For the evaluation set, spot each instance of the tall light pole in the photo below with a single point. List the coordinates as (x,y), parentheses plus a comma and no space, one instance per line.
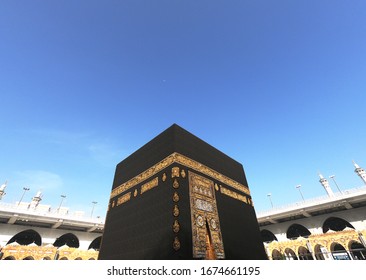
(25,190)
(62,199)
(2,190)
(269,196)
(332,177)
(299,188)
(94,202)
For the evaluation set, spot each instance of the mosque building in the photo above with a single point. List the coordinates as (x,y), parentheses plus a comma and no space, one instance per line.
(332,227)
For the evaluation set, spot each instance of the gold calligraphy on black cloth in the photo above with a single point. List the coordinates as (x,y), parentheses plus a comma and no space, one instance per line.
(206,232)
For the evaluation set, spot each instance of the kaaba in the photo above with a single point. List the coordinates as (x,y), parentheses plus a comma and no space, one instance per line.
(178,197)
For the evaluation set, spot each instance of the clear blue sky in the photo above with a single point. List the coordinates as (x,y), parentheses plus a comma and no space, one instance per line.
(280,86)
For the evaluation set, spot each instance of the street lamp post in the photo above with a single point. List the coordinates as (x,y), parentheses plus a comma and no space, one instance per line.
(332,177)
(299,188)
(25,190)
(62,199)
(94,202)
(2,190)
(269,196)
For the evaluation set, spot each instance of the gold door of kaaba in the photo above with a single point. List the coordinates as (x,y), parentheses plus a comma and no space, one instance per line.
(206,232)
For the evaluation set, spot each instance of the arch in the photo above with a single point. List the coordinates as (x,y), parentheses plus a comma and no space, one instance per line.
(304,253)
(68,239)
(46,258)
(336,224)
(296,230)
(95,244)
(91,259)
(339,252)
(276,255)
(9,258)
(357,250)
(28,258)
(78,259)
(268,236)
(321,252)
(290,254)
(26,237)
(63,259)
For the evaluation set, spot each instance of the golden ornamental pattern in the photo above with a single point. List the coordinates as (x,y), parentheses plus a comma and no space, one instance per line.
(314,241)
(180,159)
(21,252)
(233,194)
(202,188)
(176,244)
(149,185)
(175,197)
(175,184)
(211,173)
(183,173)
(124,198)
(176,211)
(204,217)
(175,172)
(176,226)
(143,176)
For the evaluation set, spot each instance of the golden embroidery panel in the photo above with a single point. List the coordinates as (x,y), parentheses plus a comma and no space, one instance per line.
(234,195)
(178,158)
(124,198)
(203,186)
(175,172)
(204,217)
(149,185)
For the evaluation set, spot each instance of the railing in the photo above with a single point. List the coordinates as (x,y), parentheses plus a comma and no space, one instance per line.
(313,201)
(47,211)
